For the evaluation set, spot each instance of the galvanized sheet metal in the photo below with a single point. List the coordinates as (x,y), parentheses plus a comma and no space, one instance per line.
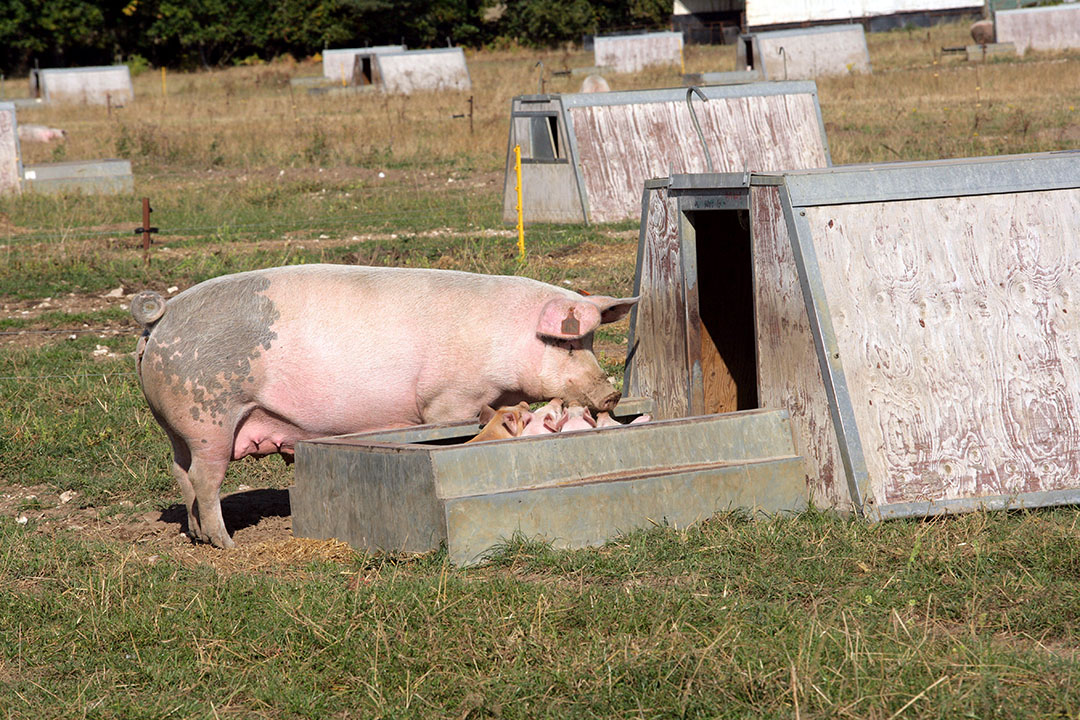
(97,177)
(416,488)
(1056,27)
(929,179)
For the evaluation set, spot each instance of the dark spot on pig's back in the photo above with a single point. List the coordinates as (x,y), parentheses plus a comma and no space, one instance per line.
(207,342)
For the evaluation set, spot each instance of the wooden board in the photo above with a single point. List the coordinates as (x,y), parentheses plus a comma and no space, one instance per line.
(631,53)
(789,374)
(620,146)
(958,330)
(106,85)
(414,70)
(9,150)
(657,362)
(1055,27)
(795,55)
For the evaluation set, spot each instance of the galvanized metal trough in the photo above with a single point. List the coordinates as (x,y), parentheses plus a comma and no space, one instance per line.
(417,489)
(919,322)
(89,177)
(585,156)
(804,53)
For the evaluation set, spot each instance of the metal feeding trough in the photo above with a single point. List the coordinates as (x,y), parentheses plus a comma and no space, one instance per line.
(90,177)
(584,156)
(416,489)
(918,321)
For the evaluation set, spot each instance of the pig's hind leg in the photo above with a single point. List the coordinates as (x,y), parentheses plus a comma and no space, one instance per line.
(200,478)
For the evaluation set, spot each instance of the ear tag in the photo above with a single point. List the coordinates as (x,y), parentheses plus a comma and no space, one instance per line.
(571,326)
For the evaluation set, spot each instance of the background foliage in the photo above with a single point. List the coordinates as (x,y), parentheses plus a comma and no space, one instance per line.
(192,33)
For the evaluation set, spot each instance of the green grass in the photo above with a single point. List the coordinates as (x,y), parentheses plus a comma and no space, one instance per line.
(967,617)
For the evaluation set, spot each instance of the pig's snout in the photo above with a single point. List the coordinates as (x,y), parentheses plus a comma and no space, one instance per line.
(605,403)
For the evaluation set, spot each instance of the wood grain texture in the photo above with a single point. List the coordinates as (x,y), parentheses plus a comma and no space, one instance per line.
(959,336)
(9,151)
(620,146)
(1045,28)
(88,86)
(631,53)
(815,54)
(657,362)
(789,375)
(413,70)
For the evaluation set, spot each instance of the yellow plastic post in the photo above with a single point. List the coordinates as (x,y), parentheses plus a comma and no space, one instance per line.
(520,207)
(162,81)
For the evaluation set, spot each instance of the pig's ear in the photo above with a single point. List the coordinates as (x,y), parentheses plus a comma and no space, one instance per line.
(487,413)
(554,424)
(568,319)
(612,309)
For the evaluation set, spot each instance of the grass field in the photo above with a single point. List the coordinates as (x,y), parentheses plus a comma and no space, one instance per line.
(108,612)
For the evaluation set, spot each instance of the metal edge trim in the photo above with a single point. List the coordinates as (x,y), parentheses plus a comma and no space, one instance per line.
(575,158)
(713,92)
(628,368)
(949,506)
(825,345)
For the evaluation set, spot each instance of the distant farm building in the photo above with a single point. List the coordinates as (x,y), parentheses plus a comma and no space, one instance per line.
(715,21)
(104,85)
(586,156)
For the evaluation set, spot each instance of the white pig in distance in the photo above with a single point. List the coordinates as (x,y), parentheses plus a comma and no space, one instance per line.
(251,363)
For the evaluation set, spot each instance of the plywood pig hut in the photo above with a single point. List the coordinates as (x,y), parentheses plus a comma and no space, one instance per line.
(585,156)
(354,66)
(804,53)
(631,53)
(1055,27)
(919,322)
(412,70)
(104,85)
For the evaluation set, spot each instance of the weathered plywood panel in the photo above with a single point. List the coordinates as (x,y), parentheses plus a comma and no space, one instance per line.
(414,70)
(657,365)
(338,63)
(807,54)
(620,146)
(789,374)
(631,53)
(9,150)
(1045,28)
(89,85)
(958,330)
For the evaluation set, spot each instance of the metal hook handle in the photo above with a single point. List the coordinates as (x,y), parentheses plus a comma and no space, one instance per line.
(540,80)
(783,54)
(693,116)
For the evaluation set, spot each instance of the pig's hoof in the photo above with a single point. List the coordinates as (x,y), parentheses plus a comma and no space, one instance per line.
(147,307)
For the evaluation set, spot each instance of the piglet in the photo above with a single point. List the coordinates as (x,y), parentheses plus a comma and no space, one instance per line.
(546,419)
(506,422)
(40,133)
(578,417)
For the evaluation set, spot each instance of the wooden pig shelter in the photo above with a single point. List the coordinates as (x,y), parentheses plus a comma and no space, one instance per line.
(919,322)
(585,156)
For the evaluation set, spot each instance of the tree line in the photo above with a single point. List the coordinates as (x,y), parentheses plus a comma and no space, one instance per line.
(206,33)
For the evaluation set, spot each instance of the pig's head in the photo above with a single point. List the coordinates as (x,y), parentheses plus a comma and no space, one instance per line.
(568,368)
